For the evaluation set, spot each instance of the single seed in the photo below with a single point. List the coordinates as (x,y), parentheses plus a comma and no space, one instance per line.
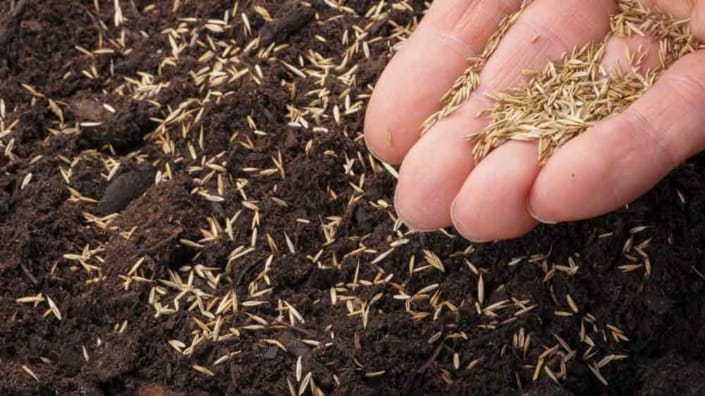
(29,371)
(203,370)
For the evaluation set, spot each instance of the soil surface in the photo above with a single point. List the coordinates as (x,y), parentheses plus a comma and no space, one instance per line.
(187,207)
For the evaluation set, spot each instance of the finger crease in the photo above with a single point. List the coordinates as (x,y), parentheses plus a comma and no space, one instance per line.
(639,125)
(460,47)
(687,86)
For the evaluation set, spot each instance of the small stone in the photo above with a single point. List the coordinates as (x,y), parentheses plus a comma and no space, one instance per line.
(125,188)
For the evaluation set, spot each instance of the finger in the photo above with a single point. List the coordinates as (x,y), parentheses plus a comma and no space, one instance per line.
(694,10)
(436,167)
(491,205)
(412,85)
(677,8)
(621,158)
(493,201)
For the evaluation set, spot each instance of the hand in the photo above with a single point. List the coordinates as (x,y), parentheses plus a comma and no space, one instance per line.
(505,194)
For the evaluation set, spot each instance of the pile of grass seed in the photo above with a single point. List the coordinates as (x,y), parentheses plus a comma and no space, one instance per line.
(569,96)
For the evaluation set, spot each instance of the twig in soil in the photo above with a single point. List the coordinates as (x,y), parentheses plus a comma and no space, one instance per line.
(432,359)
(309,334)
(289,326)
(29,274)
(490,336)
(698,273)
(313,335)
(470,344)
(151,249)
(245,272)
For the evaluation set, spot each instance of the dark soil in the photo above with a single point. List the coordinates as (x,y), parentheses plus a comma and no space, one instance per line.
(214,146)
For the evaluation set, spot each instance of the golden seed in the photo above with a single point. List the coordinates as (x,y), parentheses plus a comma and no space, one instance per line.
(203,370)
(29,371)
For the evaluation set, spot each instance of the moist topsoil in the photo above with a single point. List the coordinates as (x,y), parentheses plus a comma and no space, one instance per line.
(255,249)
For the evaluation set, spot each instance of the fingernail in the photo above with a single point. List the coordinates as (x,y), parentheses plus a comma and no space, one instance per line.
(403,218)
(460,230)
(369,148)
(537,218)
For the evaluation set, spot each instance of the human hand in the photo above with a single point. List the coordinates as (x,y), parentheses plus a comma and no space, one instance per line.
(502,197)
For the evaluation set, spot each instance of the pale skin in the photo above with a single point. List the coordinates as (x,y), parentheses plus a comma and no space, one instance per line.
(508,193)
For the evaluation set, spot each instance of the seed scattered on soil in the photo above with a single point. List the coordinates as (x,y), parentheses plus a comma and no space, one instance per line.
(30,372)
(203,370)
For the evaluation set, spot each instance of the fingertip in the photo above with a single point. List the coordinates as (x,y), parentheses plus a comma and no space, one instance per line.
(380,130)
(426,187)
(460,226)
(553,191)
(408,211)
(409,91)
(475,225)
(379,138)
(537,216)
(378,150)
(492,203)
